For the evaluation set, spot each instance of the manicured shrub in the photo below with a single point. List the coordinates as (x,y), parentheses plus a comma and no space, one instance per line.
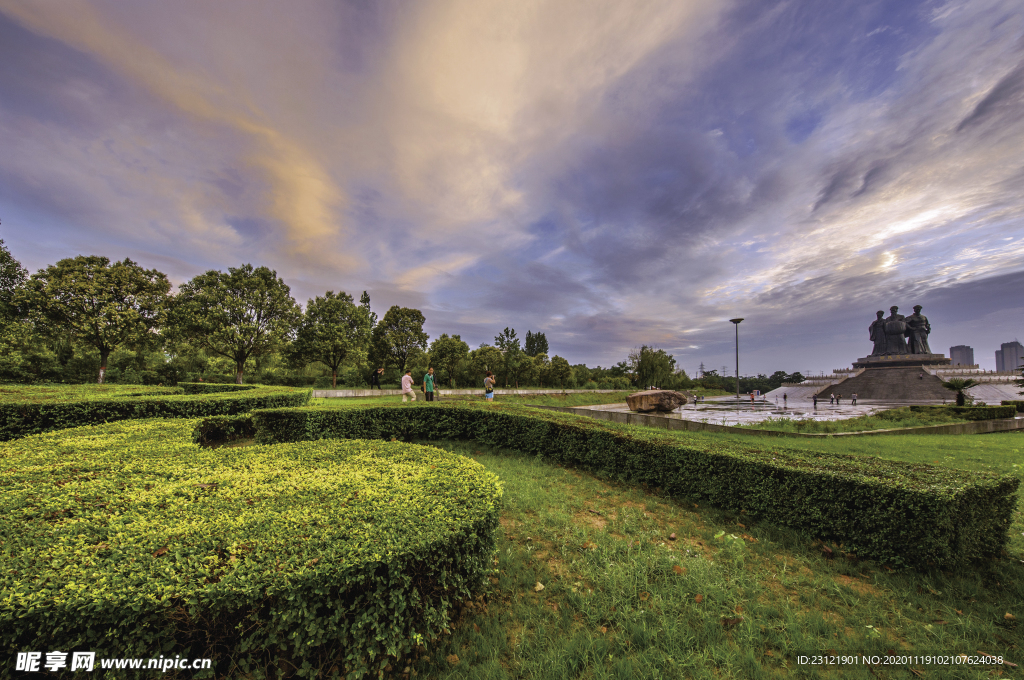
(54,410)
(898,513)
(333,557)
(1016,403)
(970,412)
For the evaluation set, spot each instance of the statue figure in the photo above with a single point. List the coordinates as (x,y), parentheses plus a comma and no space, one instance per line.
(895,330)
(917,332)
(876,333)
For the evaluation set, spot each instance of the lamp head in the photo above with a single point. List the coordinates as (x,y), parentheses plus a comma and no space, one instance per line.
(736,321)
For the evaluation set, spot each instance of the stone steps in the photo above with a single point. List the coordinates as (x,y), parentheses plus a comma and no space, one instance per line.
(908,383)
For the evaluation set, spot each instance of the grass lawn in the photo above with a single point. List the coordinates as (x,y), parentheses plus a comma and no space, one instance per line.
(728,598)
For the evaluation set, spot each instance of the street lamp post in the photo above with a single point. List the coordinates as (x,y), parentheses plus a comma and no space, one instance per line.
(736,322)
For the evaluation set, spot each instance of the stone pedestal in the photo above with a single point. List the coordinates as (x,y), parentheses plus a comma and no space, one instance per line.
(648,401)
(901,360)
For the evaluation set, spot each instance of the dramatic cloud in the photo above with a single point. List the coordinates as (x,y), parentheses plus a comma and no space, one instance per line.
(611,174)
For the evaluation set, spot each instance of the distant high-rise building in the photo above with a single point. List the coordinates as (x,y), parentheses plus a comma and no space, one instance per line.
(1009,356)
(962,355)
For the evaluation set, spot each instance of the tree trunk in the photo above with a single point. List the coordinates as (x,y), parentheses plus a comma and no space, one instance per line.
(334,379)
(103,364)
(240,369)
(961,400)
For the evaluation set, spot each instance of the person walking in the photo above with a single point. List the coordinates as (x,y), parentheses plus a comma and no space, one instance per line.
(839,398)
(489,386)
(428,384)
(407,387)
(815,400)
(375,378)
(832,398)
(854,398)
(785,400)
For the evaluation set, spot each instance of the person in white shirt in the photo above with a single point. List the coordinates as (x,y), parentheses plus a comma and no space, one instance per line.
(407,387)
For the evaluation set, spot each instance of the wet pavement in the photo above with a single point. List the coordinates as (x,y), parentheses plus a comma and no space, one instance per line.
(729,412)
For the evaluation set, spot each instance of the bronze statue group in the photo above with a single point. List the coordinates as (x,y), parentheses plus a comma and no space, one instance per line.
(898,334)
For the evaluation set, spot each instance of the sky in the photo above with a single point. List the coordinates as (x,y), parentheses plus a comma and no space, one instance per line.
(611,174)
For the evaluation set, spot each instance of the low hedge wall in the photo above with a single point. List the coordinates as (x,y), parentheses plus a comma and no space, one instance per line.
(25,417)
(899,513)
(333,557)
(972,412)
(1016,403)
(213,388)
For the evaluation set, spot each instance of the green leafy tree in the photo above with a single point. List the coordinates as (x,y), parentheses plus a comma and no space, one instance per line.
(513,357)
(650,366)
(559,370)
(243,314)
(960,386)
(102,305)
(535,343)
(446,353)
(12,280)
(540,369)
(486,358)
(332,330)
(393,338)
(364,302)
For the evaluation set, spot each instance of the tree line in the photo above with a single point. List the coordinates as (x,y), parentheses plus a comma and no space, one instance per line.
(87,313)
(86,318)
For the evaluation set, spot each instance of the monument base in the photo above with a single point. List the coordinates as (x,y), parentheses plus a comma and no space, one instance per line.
(892,383)
(898,360)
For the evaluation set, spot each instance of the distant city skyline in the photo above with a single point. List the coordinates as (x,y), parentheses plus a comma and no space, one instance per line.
(611,174)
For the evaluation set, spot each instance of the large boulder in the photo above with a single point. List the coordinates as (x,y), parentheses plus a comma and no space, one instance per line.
(656,400)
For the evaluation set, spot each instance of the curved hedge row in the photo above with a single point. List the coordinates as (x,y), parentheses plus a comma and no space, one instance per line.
(971,413)
(334,556)
(899,513)
(21,417)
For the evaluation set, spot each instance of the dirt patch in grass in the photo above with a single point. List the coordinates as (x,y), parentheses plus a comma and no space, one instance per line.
(591,518)
(858,586)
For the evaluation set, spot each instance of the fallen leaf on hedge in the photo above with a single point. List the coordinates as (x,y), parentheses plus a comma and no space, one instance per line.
(1008,616)
(679,570)
(769,653)
(453,659)
(741,525)
(644,596)
(749,539)
(539,587)
(732,621)
(672,537)
(959,612)
(699,599)
(604,629)
(160,552)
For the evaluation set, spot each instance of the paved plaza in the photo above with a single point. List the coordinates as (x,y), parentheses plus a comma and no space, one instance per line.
(726,411)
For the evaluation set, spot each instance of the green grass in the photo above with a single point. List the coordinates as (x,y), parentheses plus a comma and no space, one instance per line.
(890,419)
(620,599)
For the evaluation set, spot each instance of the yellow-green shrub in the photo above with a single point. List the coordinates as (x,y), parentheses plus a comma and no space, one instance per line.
(335,556)
(48,410)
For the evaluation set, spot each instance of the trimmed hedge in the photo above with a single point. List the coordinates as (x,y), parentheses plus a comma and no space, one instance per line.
(334,557)
(1016,403)
(213,388)
(21,418)
(972,412)
(898,513)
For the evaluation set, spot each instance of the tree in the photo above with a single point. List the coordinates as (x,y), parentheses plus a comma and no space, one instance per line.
(12,279)
(486,358)
(960,386)
(332,329)
(99,304)
(398,332)
(512,355)
(244,314)
(535,343)
(446,353)
(364,302)
(559,370)
(651,366)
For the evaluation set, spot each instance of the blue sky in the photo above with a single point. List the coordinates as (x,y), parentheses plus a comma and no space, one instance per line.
(610,173)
